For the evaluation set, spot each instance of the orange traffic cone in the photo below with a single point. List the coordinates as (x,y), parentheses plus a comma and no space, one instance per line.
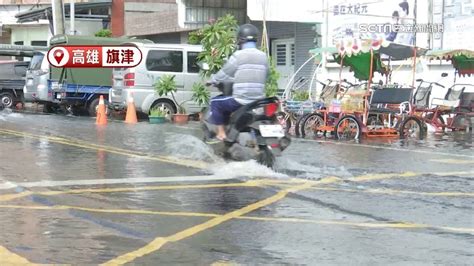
(131,117)
(101,118)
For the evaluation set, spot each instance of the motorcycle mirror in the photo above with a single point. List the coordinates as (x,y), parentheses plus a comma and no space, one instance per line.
(444,74)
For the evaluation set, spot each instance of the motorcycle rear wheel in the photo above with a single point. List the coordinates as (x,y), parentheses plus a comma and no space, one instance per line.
(266,156)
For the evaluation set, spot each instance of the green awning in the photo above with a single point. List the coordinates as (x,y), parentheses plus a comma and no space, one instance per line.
(462,60)
(360,64)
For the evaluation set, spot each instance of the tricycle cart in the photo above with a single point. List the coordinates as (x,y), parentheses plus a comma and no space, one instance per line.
(455,110)
(370,111)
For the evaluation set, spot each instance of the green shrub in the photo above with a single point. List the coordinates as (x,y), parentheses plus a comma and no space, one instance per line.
(166,85)
(104,33)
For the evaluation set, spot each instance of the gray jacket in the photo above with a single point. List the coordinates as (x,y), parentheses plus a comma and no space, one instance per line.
(248,70)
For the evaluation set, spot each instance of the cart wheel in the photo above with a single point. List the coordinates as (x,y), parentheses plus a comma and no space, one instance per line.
(299,123)
(462,123)
(439,120)
(310,123)
(412,128)
(374,120)
(348,128)
(284,120)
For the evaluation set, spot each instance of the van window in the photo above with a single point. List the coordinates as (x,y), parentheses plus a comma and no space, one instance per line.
(39,43)
(161,60)
(36,61)
(193,67)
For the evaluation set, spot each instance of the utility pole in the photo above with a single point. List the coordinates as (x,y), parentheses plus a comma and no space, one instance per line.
(72,17)
(58,16)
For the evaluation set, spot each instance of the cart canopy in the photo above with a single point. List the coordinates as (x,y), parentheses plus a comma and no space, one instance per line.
(462,60)
(355,54)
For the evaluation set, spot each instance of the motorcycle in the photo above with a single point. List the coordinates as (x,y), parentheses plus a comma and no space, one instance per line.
(253,131)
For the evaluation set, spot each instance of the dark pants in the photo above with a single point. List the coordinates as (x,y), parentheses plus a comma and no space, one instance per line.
(221,109)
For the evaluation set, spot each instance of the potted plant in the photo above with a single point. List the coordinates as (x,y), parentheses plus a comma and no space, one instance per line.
(157,115)
(166,85)
(201,95)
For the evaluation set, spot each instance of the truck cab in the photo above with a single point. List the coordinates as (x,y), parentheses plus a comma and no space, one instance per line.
(37,75)
(12,81)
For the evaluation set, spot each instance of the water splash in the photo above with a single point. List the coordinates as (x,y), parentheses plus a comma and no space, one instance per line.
(244,169)
(307,171)
(189,147)
(8,113)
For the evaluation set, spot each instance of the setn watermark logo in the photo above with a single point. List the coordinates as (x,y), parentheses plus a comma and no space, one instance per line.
(94,56)
(409,28)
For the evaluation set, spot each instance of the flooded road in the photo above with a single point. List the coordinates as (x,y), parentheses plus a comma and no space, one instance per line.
(75,193)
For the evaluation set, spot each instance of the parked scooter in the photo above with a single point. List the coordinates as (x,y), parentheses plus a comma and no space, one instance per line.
(253,131)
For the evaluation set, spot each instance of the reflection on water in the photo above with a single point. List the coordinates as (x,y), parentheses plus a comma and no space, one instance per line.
(304,158)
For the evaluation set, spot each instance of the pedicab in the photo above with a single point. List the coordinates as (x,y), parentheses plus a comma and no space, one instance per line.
(295,108)
(458,103)
(370,110)
(297,99)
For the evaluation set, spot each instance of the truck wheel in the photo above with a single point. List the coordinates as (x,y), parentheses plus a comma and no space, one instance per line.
(51,108)
(6,99)
(94,105)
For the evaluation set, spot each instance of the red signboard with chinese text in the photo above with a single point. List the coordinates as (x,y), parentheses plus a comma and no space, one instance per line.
(94,56)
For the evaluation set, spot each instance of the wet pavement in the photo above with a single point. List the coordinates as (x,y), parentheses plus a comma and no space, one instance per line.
(75,193)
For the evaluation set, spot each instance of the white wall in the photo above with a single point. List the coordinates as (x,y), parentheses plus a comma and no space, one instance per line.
(41,32)
(29,33)
(285,10)
(84,27)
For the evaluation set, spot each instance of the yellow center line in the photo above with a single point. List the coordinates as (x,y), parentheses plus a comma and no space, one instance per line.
(9,258)
(373,177)
(114,150)
(222,263)
(251,183)
(112,211)
(158,242)
(8,197)
(394,192)
(399,225)
(453,161)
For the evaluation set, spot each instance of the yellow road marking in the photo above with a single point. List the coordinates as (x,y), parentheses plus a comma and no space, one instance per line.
(222,263)
(158,242)
(400,225)
(394,192)
(453,161)
(373,177)
(113,211)
(453,173)
(251,183)
(8,197)
(114,150)
(9,258)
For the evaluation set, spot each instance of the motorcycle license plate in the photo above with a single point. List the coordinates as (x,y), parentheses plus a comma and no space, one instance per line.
(271,131)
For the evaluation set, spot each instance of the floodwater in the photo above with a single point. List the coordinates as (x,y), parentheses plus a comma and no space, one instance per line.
(73,192)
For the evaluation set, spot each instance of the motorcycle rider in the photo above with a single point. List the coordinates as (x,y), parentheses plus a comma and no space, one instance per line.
(247,68)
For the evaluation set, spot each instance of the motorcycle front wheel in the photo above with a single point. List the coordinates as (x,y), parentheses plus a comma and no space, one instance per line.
(266,156)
